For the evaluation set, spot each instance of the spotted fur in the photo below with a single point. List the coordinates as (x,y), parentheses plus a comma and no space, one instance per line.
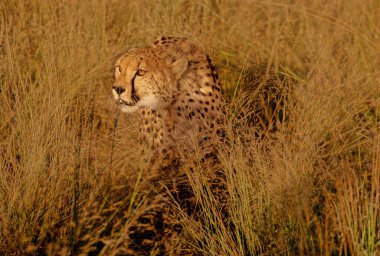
(175,87)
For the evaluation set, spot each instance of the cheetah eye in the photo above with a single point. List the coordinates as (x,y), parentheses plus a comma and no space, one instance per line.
(140,72)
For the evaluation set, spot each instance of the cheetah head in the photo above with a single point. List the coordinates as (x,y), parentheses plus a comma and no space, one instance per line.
(143,80)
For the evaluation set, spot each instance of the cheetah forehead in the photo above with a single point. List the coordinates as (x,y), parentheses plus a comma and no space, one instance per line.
(140,57)
(164,49)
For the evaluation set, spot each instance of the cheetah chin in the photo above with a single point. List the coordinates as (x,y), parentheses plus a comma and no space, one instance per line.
(127,107)
(149,102)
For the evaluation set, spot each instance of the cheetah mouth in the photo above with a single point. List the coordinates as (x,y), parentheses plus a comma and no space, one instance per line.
(125,103)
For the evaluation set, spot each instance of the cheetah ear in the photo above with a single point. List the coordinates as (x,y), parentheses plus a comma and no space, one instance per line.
(179,67)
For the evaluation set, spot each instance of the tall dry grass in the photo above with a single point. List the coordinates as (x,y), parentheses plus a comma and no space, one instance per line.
(302,162)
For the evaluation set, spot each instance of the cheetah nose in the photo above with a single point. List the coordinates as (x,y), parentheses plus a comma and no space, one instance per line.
(119,90)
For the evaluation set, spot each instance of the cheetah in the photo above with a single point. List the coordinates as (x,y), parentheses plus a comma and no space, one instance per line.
(173,85)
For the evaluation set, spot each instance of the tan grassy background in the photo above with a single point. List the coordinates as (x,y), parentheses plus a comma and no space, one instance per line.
(303,160)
